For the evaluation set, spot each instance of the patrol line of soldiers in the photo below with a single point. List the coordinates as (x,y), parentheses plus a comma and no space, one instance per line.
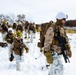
(53,43)
(29,29)
(14,37)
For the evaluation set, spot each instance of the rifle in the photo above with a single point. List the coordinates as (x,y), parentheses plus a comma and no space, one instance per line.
(21,47)
(39,56)
(62,41)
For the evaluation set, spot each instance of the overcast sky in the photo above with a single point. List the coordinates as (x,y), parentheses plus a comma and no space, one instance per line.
(39,10)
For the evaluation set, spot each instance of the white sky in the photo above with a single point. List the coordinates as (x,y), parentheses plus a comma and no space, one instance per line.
(39,10)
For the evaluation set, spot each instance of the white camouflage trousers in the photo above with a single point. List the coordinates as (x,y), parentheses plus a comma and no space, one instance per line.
(26,33)
(3,36)
(56,68)
(18,59)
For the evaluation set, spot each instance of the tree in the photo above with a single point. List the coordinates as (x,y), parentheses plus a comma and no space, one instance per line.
(21,17)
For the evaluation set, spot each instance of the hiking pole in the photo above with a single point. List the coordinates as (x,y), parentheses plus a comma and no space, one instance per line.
(39,56)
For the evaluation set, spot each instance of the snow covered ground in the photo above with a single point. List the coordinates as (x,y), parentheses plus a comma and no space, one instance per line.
(33,66)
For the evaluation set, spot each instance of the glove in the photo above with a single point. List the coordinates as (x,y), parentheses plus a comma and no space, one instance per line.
(41,50)
(69,53)
(11,58)
(48,56)
(26,51)
(67,46)
(39,44)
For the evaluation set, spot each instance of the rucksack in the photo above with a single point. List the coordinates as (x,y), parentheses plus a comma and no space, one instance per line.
(44,28)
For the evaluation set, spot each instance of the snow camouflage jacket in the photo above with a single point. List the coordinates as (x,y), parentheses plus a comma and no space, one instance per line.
(51,43)
(16,47)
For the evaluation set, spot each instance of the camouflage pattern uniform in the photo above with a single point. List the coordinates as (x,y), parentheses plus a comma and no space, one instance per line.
(9,38)
(4,30)
(52,49)
(14,26)
(32,31)
(26,29)
(15,50)
(0,34)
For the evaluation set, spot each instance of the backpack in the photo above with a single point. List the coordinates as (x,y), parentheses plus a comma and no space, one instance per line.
(44,28)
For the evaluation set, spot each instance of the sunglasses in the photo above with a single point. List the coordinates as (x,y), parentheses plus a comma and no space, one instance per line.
(63,19)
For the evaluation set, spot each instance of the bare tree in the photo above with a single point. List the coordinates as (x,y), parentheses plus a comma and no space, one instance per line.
(21,17)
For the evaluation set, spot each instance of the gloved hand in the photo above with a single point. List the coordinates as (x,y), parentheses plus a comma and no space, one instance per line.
(67,46)
(27,50)
(68,50)
(11,57)
(69,53)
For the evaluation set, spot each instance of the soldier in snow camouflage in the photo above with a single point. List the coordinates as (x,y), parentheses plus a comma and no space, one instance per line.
(52,47)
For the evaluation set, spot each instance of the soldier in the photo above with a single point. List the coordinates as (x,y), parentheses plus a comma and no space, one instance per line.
(9,36)
(9,39)
(1,34)
(14,26)
(17,52)
(26,29)
(4,29)
(19,27)
(18,34)
(57,44)
(32,31)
